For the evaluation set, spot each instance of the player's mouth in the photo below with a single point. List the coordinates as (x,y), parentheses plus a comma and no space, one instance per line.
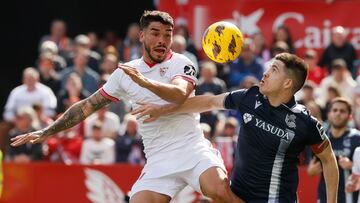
(160,50)
(262,82)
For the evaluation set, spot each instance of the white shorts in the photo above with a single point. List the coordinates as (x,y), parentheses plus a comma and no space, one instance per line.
(173,183)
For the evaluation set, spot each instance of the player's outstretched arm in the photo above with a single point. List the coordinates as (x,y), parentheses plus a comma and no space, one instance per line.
(195,104)
(330,171)
(176,92)
(74,115)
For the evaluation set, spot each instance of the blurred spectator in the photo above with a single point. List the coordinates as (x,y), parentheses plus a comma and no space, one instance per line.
(90,79)
(207,131)
(82,42)
(339,47)
(246,64)
(182,29)
(110,123)
(29,93)
(59,36)
(131,48)
(307,93)
(316,73)
(339,78)
(98,149)
(225,142)
(261,49)
(44,120)
(278,48)
(109,64)
(65,147)
(208,82)
(283,34)
(94,42)
(111,50)
(25,121)
(212,118)
(129,148)
(72,93)
(109,38)
(50,48)
(356,114)
(343,140)
(48,74)
(179,46)
(248,82)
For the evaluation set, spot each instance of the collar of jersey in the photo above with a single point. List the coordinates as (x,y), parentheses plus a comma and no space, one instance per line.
(150,65)
(289,105)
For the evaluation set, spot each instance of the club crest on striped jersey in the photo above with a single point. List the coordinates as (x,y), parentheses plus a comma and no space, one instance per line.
(163,70)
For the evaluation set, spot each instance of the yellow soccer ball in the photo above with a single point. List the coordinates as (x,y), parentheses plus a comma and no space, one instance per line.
(222,42)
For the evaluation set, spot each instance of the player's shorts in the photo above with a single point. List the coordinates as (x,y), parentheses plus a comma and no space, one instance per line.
(173,183)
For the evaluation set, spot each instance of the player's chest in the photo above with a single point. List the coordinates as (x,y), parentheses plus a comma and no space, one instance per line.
(138,93)
(271,126)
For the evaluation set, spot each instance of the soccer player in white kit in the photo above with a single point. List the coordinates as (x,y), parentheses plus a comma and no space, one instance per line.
(177,152)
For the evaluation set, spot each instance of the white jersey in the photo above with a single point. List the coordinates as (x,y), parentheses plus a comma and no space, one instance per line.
(356,165)
(169,137)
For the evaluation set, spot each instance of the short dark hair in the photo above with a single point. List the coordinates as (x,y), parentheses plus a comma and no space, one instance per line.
(157,16)
(295,67)
(341,100)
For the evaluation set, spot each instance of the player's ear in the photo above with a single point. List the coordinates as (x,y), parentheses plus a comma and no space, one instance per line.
(289,83)
(142,36)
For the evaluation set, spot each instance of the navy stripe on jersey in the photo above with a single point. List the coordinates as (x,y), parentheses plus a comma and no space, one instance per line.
(270,140)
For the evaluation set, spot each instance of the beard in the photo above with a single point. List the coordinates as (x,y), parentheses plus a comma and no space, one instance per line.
(148,52)
(339,125)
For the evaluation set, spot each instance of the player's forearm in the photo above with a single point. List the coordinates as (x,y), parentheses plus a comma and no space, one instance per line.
(200,104)
(76,113)
(331,175)
(167,92)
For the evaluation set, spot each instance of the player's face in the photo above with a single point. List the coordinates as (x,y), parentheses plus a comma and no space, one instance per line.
(274,80)
(339,115)
(156,39)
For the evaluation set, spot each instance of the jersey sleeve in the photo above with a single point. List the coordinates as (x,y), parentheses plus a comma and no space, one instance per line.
(185,69)
(316,136)
(113,89)
(234,99)
(356,162)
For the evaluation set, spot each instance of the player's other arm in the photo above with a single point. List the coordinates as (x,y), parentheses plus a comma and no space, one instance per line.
(176,92)
(330,169)
(195,104)
(74,115)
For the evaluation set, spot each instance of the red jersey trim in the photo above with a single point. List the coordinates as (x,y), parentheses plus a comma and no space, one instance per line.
(168,57)
(106,95)
(318,148)
(185,78)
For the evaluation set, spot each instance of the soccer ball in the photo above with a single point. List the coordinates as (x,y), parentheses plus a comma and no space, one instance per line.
(222,42)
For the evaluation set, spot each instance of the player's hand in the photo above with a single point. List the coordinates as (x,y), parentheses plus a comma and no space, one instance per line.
(345,162)
(314,167)
(33,137)
(134,74)
(153,111)
(350,185)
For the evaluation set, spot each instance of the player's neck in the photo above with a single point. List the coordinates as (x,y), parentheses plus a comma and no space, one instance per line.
(277,99)
(338,132)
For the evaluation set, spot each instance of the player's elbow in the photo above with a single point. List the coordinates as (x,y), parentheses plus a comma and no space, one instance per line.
(180,97)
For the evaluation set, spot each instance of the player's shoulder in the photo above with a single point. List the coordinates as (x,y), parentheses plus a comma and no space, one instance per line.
(357,151)
(353,132)
(134,63)
(180,58)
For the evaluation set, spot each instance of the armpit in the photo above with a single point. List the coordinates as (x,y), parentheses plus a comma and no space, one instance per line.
(318,148)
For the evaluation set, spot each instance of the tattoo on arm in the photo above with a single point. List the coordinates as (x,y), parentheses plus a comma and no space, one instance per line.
(76,113)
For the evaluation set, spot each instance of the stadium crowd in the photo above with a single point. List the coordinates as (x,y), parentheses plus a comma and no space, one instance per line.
(68,70)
